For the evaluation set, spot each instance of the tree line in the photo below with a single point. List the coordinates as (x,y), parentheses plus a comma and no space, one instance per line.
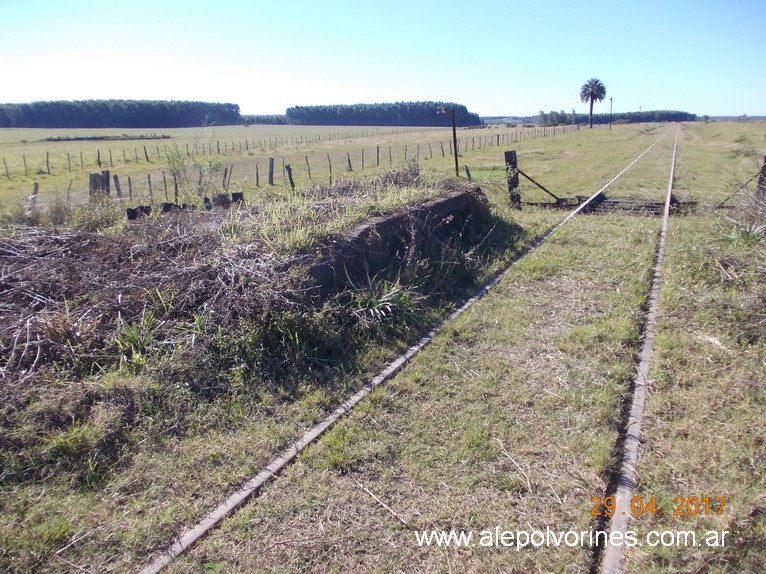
(554,118)
(172,114)
(117,114)
(432,114)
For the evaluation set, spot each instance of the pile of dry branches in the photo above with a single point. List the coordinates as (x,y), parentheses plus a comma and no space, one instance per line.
(67,297)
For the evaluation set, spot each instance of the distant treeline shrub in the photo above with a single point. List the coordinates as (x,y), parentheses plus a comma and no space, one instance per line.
(271,119)
(117,114)
(554,118)
(388,114)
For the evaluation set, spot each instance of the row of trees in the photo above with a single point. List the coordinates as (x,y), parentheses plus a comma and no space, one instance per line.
(268,119)
(117,114)
(388,114)
(554,118)
(169,114)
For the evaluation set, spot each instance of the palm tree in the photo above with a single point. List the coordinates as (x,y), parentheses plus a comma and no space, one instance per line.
(592,90)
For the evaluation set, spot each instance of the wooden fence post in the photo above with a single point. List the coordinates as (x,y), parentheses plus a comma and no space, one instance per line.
(165,184)
(329,161)
(7,175)
(348,157)
(106,184)
(130,189)
(94,185)
(24,159)
(512,173)
(760,189)
(117,186)
(151,193)
(47,163)
(308,166)
(290,176)
(271,171)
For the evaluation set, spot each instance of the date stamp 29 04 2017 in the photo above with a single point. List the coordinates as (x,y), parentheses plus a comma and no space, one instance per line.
(683,506)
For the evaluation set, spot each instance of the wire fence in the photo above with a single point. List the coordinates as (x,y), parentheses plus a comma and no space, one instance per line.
(276,161)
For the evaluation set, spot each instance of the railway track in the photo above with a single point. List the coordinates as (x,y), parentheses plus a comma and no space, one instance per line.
(631,433)
(624,482)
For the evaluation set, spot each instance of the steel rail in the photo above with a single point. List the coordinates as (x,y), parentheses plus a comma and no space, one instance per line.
(286,457)
(627,478)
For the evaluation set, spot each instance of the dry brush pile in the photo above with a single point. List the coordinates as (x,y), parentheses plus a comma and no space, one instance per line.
(103,332)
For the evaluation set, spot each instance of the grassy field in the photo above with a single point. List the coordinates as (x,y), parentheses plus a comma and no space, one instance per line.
(509,419)
(315,149)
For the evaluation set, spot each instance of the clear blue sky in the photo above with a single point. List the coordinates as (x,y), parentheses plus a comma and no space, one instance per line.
(498,57)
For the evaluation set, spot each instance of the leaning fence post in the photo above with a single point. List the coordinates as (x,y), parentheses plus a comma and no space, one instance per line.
(117,186)
(289,171)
